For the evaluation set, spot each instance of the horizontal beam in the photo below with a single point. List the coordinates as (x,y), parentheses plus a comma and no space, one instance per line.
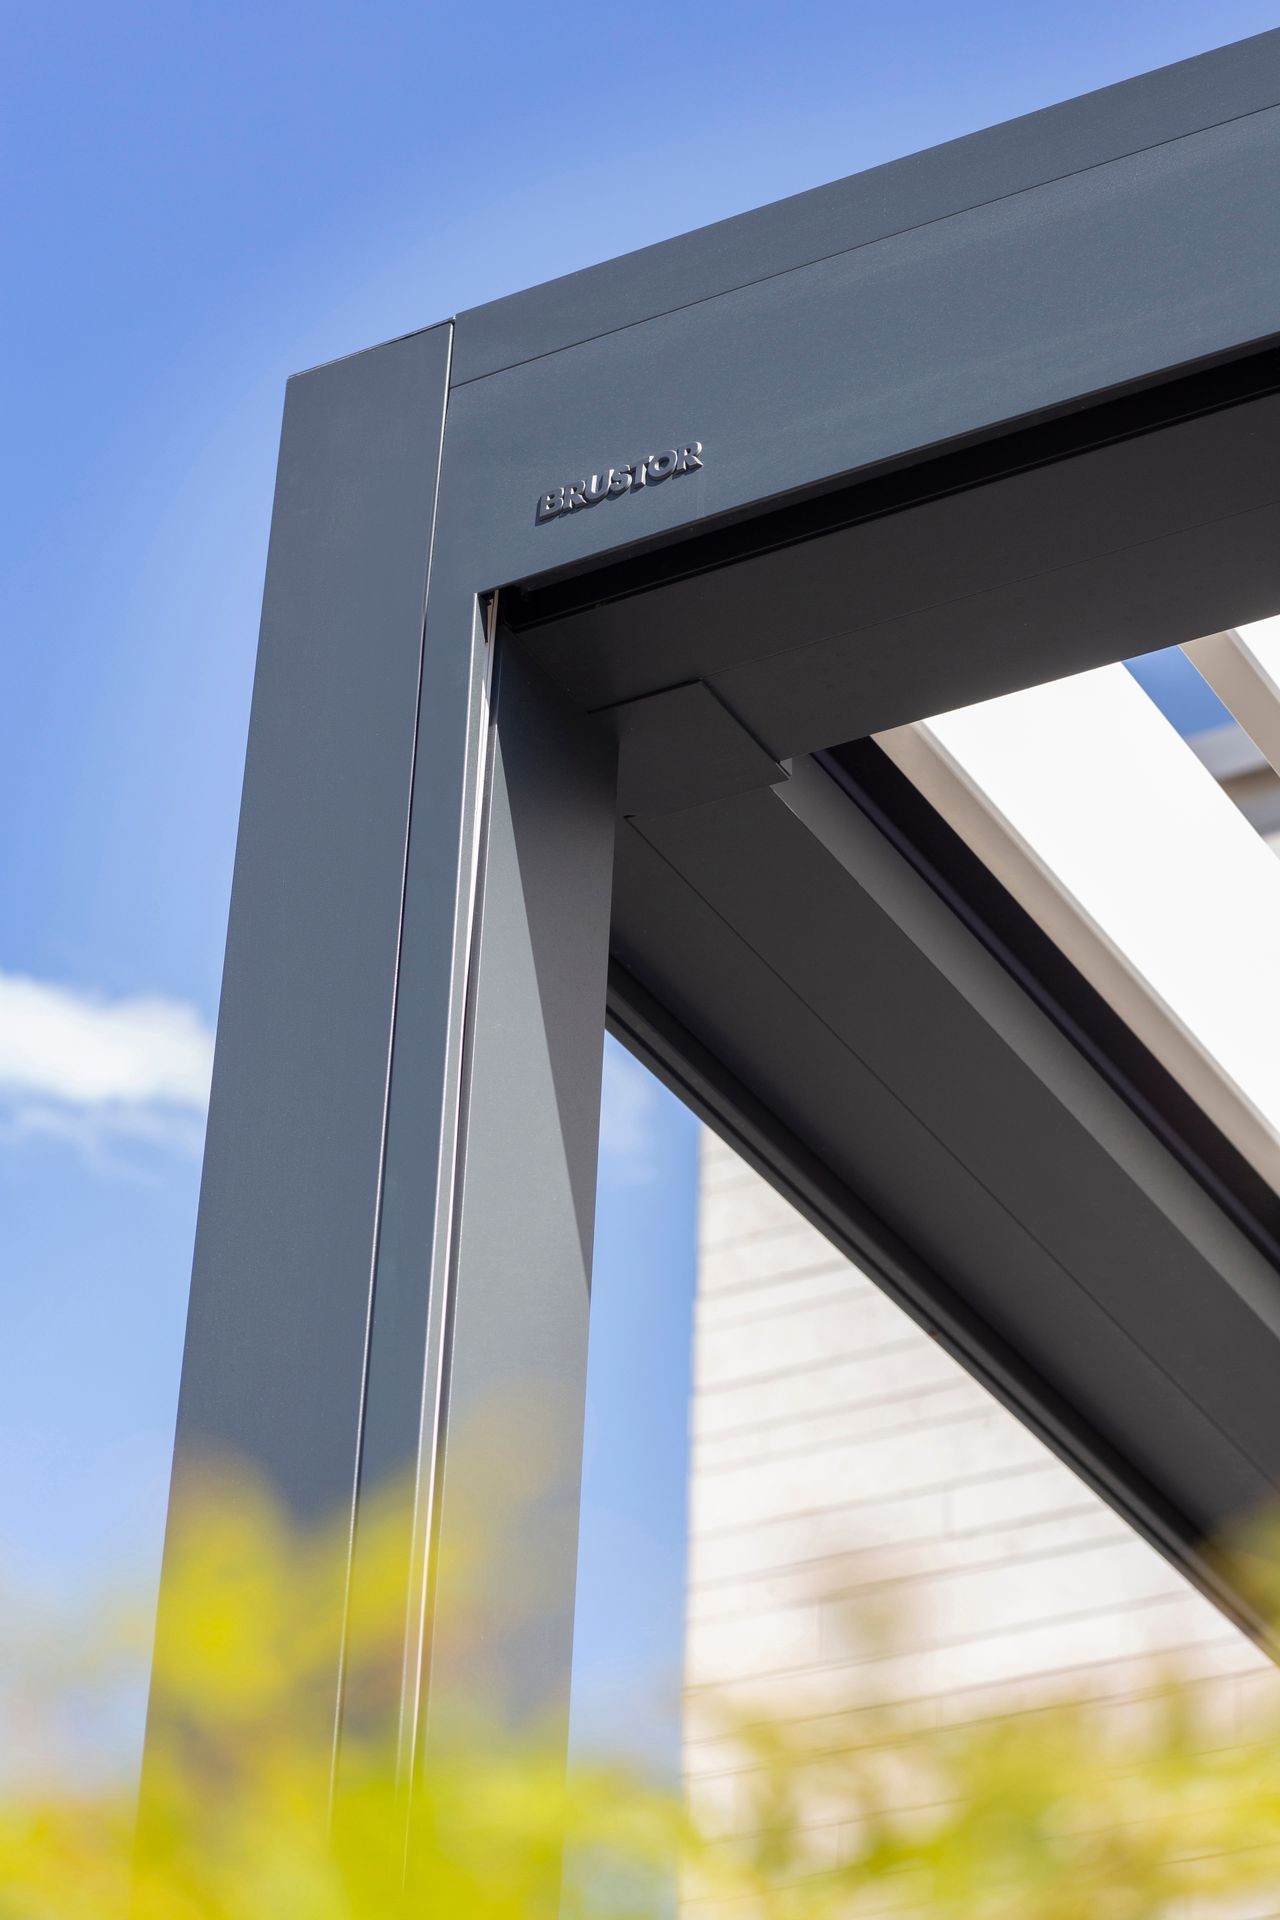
(913,192)
(828,979)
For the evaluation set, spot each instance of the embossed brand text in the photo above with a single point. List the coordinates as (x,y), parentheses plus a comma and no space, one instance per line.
(613,481)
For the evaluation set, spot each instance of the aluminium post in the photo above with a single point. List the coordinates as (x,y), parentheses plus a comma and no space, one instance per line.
(394,1234)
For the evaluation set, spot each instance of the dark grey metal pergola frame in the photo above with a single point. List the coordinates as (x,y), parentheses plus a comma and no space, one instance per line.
(989,415)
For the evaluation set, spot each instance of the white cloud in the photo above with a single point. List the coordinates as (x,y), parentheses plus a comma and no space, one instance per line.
(96,1073)
(630,1117)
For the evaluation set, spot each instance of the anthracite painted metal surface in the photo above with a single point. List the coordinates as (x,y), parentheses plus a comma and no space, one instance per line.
(890,200)
(976,419)
(273,1372)
(291,1172)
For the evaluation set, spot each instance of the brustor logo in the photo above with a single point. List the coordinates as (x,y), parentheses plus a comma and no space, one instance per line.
(618,480)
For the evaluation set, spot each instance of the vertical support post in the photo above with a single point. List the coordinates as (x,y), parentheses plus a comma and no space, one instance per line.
(511,1411)
(477,1384)
(390,1287)
(274,1365)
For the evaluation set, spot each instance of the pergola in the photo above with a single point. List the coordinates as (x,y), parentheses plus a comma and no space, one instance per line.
(581,612)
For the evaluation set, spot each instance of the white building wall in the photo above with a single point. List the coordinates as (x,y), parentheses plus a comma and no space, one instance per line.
(838,1452)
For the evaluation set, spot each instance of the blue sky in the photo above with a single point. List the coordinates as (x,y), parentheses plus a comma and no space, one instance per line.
(197,202)
(629,1630)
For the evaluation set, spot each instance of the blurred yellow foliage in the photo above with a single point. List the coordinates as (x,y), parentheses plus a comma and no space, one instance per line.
(1060,1811)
